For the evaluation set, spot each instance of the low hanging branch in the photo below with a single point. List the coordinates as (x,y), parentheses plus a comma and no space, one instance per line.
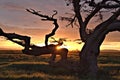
(21,40)
(46,18)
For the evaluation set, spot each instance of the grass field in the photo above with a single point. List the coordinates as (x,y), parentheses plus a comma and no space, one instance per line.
(17,66)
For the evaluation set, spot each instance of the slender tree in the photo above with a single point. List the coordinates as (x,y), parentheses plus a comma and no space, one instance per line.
(93,38)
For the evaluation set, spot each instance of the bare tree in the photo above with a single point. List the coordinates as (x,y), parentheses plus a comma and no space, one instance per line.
(93,38)
(46,18)
(31,49)
(63,51)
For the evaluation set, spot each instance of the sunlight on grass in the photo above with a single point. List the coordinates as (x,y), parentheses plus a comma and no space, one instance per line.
(23,74)
(17,66)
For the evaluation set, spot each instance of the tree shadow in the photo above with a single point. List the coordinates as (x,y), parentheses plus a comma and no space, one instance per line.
(107,72)
(69,68)
(23,78)
(43,68)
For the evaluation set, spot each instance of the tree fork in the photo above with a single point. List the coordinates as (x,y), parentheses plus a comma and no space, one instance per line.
(91,49)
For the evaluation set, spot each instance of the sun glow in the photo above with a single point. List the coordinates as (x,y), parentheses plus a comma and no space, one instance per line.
(59,47)
(69,45)
(110,45)
(9,45)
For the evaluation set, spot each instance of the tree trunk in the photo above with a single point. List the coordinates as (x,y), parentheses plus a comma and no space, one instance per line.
(88,58)
(91,49)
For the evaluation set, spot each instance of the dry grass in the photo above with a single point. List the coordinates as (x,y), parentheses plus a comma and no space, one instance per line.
(16,66)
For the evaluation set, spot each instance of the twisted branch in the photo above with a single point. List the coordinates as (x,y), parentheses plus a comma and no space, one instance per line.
(46,18)
(24,40)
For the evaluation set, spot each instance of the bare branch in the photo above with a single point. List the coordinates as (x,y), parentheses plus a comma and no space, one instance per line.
(41,15)
(96,10)
(48,18)
(25,40)
(72,21)
(103,26)
(54,13)
(82,30)
(52,33)
(77,11)
(115,26)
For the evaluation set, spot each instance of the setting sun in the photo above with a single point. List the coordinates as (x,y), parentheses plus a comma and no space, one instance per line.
(69,45)
(23,23)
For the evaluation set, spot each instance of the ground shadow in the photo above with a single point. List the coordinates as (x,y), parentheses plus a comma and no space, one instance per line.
(105,72)
(44,68)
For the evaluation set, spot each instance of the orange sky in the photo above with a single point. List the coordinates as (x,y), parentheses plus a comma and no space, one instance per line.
(37,37)
(14,18)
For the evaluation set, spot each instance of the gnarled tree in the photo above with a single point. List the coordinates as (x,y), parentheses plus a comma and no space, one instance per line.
(63,51)
(46,18)
(31,49)
(93,38)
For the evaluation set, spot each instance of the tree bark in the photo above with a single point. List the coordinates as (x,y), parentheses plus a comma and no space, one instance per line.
(91,50)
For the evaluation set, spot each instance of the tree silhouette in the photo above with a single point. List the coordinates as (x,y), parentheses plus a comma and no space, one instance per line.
(93,38)
(31,49)
(46,18)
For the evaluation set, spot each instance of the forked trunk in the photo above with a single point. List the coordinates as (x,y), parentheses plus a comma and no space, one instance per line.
(91,49)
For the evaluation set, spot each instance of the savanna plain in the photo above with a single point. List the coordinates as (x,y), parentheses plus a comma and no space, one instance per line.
(17,66)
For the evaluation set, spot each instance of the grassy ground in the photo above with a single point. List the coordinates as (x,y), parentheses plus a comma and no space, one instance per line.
(17,66)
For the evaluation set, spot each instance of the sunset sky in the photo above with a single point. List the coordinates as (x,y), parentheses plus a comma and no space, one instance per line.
(15,19)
